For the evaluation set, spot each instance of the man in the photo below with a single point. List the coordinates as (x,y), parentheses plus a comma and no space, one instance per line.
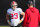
(14,12)
(31,16)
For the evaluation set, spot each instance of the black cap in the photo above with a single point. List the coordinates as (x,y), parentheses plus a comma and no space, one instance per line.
(30,2)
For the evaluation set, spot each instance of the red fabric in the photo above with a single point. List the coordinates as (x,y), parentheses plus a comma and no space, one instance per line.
(25,19)
(31,17)
(39,19)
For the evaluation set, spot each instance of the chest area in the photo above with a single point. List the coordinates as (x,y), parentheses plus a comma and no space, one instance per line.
(14,14)
(14,11)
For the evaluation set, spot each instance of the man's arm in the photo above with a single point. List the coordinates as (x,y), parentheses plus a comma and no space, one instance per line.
(7,18)
(23,14)
(25,19)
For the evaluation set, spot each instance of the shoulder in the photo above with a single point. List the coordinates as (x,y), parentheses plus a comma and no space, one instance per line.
(9,9)
(19,9)
(36,10)
(27,10)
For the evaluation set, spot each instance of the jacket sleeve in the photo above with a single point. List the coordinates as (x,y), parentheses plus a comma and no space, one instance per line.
(39,19)
(25,19)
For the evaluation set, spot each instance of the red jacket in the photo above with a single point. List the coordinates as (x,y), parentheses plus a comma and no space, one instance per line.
(31,17)
(39,19)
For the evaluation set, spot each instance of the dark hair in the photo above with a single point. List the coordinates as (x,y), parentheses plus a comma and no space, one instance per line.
(30,3)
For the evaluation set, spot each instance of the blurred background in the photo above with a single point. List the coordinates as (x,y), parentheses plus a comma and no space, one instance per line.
(5,4)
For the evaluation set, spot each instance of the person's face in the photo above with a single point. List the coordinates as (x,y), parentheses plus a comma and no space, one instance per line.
(14,5)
